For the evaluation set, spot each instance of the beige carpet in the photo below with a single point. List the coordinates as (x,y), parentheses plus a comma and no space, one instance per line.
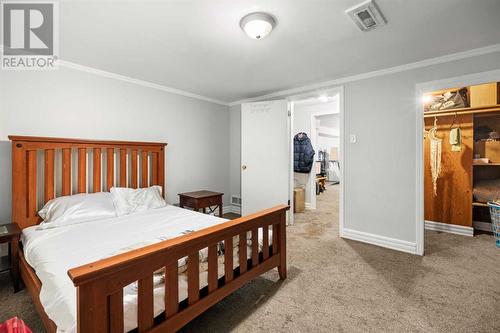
(336,285)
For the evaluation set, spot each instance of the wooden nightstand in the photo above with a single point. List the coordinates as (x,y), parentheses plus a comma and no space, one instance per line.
(11,262)
(202,199)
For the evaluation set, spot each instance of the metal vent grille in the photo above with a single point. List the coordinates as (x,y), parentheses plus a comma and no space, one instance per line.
(235,200)
(366,16)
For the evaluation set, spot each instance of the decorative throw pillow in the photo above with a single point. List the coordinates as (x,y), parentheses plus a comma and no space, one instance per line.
(78,208)
(128,200)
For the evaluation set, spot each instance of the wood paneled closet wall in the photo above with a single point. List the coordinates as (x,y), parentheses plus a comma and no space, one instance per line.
(454,202)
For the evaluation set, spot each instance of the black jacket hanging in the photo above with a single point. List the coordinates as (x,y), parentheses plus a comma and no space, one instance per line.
(303,153)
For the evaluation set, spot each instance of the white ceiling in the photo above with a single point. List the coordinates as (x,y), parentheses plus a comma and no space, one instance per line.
(198,46)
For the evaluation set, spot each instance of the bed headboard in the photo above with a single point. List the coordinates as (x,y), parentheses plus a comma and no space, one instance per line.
(44,168)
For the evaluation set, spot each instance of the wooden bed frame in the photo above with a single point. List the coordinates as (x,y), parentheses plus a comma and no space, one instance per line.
(100,284)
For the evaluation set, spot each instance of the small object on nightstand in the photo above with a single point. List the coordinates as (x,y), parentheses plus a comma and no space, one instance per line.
(11,262)
(3,230)
(202,199)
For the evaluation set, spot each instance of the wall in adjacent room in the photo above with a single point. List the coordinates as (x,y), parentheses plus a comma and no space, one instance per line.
(302,113)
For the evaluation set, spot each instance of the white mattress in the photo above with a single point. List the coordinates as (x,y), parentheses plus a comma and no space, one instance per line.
(53,252)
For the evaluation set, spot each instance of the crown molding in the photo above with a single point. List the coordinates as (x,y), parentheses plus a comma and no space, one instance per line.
(288,92)
(128,79)
(368,75)
(95,71)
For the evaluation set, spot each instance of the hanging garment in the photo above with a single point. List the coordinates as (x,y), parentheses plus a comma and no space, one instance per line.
(456,139)
(303,153)
(435,144)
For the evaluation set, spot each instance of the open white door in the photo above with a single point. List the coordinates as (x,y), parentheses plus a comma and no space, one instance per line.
(265,155)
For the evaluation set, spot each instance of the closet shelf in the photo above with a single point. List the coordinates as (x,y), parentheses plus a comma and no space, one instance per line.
(451,112)
(479,204)
(486,164)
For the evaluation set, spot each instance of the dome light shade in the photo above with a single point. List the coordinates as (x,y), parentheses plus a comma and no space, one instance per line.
(257,25)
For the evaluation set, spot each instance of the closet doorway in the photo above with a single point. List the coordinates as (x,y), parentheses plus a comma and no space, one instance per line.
(459,154)
(316,121)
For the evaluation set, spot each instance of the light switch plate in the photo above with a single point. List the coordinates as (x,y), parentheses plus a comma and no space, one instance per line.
(353,138)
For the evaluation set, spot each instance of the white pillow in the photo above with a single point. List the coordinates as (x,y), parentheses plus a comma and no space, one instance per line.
(78,208)
(129,200)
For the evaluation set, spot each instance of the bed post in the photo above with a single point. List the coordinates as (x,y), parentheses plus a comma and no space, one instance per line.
(282,246)
(19,198)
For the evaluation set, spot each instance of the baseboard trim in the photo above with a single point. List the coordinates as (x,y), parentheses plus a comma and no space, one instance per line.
(449,228)
(483,226)
(387,242)
(231,209)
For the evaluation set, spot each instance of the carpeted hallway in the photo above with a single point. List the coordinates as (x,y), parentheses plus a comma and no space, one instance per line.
(336,285)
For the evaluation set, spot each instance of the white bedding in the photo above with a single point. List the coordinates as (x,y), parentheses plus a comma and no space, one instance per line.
(53,252)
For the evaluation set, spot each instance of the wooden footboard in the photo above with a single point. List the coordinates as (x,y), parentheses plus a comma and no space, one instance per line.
(100,284)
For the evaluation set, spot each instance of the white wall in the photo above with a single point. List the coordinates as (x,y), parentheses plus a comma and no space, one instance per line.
(235,150)
(69,103)
(327,142)
(328,132)
(379,170)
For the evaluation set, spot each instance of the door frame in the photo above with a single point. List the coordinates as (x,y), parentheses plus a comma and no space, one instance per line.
(421,89)
(339,91)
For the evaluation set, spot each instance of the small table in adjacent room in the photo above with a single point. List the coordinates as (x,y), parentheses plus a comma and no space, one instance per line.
(202,199)
(10,233)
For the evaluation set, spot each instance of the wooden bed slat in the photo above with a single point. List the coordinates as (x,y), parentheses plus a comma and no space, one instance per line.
(74,174)
(107,275)
(92,309)
(145,304)
(255,247)
(145,168)
(228,259)
(66,171)
(282,270)
(213,268)
(116,312)
(265,242)
(154,169)
(32,204)
(123,167)
(82,170)
(193,278)
(242,247)
(49,175)
(133,168)
(161,171)
(275,238)
(110,168)
(96,170)
(171,290)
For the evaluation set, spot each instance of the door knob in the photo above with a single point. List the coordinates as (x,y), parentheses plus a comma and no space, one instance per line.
(244,167)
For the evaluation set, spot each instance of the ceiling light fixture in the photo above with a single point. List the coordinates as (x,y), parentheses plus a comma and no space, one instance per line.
(257,25)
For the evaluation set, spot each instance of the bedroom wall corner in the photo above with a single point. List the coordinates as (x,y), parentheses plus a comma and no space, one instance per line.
(235,154)
(75,104)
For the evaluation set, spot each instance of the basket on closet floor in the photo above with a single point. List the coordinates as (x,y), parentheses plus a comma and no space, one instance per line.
(495,220)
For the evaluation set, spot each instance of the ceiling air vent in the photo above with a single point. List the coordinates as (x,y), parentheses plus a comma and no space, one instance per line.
(366,15)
